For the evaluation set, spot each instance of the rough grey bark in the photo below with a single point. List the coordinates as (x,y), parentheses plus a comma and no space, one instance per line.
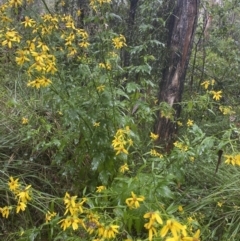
(181,28)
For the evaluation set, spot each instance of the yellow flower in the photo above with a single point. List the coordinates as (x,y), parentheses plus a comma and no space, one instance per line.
(5,211)
(21,58)
(180,208)
(110,231)
(230,160)
(21,206)
(154,217)
(65,223)
(10,36)
(105,66)
(154,136)
(153,152)
(205,84)
(219,204)
(194,238)
(192,158)
(133,202)
(84,44)
(13,184)
(49,216)
(121,140)
(217,95)
(28,22)
(100,88)
(96,124)
(70,203)
(179,123)
(15,3)
(124,168)
(189,122)
(101,188)
(24,196)
(119,42)
(173,226)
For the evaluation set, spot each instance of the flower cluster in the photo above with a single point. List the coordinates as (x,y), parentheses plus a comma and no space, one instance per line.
(180,146)
(43,38)
(177,230)
(226,110)
(122,141)
(21,194)
(74,208)
(155,153)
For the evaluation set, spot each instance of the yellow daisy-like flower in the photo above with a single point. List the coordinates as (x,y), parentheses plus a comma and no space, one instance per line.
(5,211)
(153,136)
(119,42)
(13,184)
(217,95)
(100,88)
(24,121)
(175,228)
(124,168)
(133,202)
(205,84)
(230,159)
(96,124)
(101,188)
(189,122)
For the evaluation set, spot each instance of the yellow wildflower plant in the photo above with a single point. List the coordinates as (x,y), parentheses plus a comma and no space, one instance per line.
(121,141)
(133,202)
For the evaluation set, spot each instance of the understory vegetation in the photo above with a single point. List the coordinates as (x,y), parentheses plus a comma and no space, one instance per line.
(78,94)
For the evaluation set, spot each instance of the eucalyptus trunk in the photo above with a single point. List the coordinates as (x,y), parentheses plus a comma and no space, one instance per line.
(181,27)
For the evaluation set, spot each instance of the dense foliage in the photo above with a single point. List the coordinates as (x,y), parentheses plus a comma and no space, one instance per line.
(78,154)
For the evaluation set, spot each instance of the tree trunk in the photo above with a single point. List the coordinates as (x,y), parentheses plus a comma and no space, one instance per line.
(181,27)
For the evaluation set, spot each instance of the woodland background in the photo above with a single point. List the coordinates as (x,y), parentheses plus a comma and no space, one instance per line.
(119,120)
